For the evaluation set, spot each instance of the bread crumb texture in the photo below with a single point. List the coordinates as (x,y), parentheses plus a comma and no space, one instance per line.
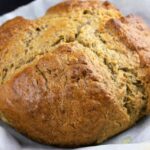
(76,76)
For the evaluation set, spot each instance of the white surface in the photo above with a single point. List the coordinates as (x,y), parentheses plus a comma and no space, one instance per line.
(136,138)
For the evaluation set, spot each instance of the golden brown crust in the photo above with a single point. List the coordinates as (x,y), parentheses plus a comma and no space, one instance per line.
(74,5)
(74,79)
(66,111)
(13,29)
(135,34)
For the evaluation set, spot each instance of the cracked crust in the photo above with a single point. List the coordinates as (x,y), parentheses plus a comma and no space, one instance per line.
(135,34)
(66,111)
(77,77)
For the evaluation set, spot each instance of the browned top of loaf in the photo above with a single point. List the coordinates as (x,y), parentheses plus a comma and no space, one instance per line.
(76,76)
(75,5)
(135,34)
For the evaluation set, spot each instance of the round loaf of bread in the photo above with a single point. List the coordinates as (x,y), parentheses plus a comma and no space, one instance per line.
(76,76)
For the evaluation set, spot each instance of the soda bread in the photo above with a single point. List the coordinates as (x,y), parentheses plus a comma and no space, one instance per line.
(76,76)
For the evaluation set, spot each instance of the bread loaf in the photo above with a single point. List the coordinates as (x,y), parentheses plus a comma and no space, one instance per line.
(76,76)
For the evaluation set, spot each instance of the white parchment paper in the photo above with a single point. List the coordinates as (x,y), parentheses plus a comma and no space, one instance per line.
(136,138)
